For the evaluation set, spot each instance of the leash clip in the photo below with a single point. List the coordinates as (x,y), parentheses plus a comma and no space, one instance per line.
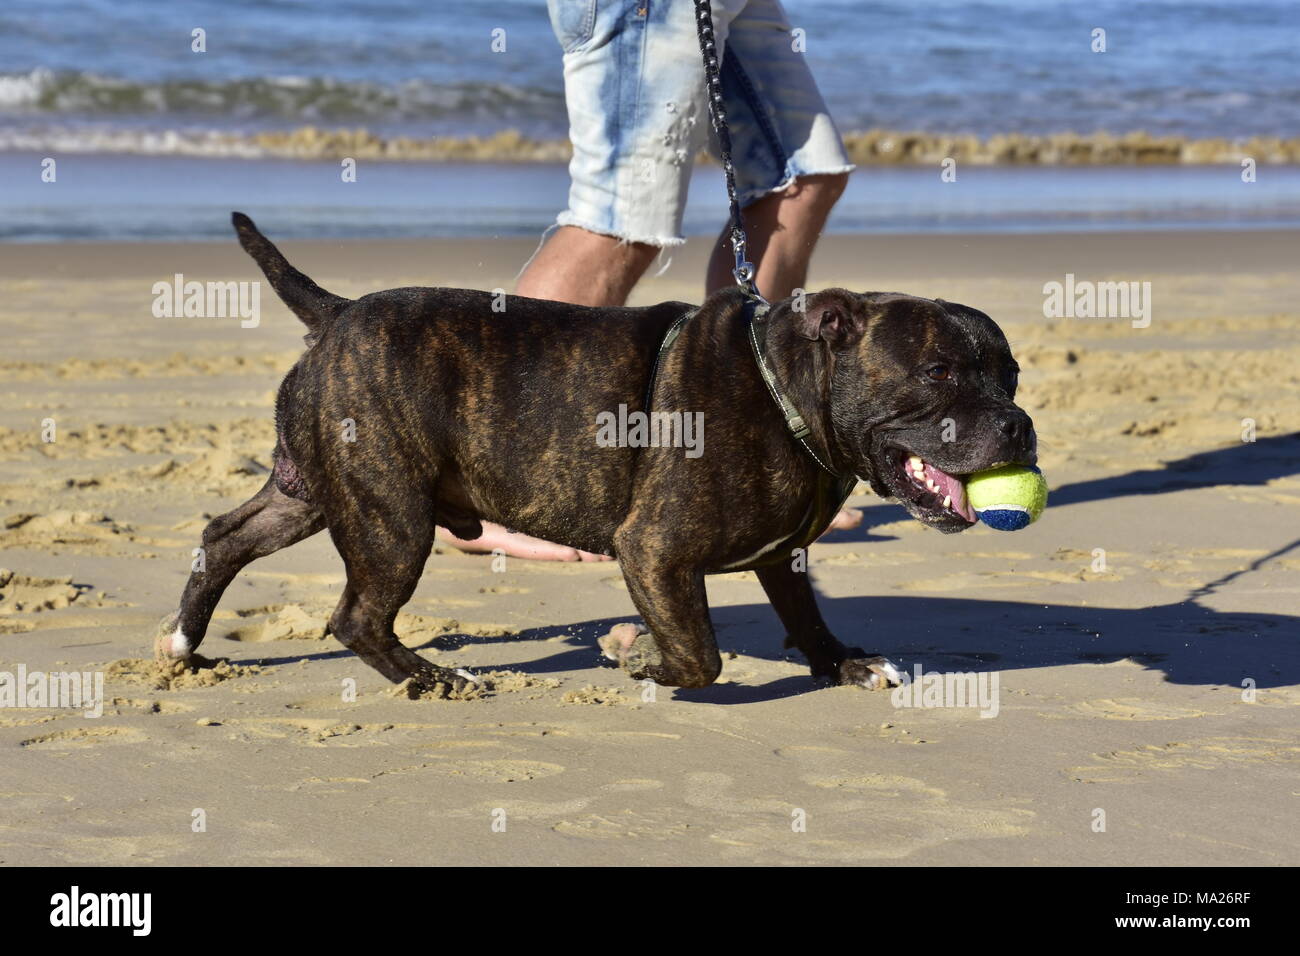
(744,271)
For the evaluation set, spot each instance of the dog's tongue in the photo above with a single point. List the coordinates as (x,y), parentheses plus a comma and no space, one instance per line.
(950,487)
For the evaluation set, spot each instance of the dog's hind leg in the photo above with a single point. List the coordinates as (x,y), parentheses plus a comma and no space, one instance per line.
(384,547)
(264,524)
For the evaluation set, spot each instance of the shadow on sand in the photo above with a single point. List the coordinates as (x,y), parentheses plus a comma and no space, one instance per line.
(1186,641)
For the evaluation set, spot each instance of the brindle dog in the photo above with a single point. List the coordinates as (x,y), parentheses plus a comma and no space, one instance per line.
(416,407)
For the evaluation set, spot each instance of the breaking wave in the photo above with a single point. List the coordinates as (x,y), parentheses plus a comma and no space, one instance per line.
(868,148)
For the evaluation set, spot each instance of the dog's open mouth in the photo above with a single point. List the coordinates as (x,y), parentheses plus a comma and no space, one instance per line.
(930,493)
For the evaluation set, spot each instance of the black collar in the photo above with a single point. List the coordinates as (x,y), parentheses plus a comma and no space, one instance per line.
(754,313)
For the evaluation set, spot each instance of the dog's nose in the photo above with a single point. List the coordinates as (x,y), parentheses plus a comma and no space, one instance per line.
(1014,423)
(1018,429)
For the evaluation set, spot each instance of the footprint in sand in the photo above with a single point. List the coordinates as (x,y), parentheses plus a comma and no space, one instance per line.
(501,771)
(83,532)
(850,816)
(84,737)
(625,823)
(1207,753)
(869,560)
(565,817)
(150,706)
(21,594)
(279,622)
(1133,708)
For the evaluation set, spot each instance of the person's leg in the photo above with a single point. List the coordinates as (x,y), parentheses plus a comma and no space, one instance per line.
(634,90)
(783,229)
(585,268)
(791,163)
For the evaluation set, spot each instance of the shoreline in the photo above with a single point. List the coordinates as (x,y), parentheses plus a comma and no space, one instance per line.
(870,147)
(919,254)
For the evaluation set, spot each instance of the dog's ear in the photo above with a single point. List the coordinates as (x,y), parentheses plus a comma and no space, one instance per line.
(836,316)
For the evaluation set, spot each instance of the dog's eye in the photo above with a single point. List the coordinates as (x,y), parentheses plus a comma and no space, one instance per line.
(938,373)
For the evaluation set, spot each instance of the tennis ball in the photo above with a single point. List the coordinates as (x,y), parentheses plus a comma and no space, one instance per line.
(1007,498)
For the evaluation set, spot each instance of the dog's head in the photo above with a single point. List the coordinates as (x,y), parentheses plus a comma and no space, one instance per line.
(921,395)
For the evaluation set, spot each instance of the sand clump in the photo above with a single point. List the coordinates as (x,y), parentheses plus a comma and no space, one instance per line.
(21,594)
(515,682)
(597,696)
(197,671)
(409,689)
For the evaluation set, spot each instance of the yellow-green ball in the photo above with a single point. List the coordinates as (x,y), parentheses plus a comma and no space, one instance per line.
(1007,498)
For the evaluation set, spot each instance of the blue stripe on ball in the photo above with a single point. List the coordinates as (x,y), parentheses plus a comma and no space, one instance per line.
(1004,519)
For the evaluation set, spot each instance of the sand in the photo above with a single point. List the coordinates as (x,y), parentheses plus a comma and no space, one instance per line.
(1121,687)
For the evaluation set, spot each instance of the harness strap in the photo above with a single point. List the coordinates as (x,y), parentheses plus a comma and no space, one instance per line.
(669,338)
(756,314)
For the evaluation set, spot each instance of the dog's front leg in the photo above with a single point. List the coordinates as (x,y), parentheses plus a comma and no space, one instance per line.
(679,649)
(792,595)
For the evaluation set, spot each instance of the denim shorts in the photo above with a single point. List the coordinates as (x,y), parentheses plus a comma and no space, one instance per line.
(634,85)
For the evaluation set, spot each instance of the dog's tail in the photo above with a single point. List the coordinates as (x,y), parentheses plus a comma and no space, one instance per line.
(308,301)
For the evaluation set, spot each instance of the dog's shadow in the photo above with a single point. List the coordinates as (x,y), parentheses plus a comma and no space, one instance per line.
(1188,642)
(1246,463)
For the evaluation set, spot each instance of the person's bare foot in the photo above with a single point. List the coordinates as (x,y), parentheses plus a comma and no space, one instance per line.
(846,519)
(517,545)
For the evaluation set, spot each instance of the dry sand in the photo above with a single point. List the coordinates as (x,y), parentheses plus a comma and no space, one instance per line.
(1120,689)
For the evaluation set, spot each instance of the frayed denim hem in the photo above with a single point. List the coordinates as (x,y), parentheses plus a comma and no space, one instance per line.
(750,196)
(659,242)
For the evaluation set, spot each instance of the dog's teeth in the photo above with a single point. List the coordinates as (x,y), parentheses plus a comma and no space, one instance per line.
(915,462)
(931,485)
(947,501)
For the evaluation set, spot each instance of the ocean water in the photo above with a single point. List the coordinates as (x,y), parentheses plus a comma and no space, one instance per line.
(106,85)
(115,197)
(1203,69)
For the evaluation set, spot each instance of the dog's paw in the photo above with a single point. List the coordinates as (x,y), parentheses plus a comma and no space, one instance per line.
(633,648)
(431,680)
(873,673)
(169,644)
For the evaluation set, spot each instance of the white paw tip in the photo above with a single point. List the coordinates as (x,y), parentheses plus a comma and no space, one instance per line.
(892,673)
(179,645)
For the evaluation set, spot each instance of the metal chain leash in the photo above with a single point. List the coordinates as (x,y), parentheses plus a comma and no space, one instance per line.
(744,271)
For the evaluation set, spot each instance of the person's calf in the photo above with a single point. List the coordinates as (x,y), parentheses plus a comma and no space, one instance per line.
(782,229)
